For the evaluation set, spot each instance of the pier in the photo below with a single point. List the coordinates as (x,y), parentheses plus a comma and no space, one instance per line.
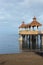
(31,33)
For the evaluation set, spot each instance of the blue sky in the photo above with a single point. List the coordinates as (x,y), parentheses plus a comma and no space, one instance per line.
(13,12)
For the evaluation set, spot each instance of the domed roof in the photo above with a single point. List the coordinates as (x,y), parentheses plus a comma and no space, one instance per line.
(35,22)
(22,25)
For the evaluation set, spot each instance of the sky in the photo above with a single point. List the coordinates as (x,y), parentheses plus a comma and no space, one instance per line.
(13,12)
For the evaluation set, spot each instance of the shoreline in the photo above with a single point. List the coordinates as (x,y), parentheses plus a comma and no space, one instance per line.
(24,58)
(24,50)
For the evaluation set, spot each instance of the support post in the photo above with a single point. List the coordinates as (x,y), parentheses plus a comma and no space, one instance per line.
(31,42)
(26,42)
(36,41)
(40,42)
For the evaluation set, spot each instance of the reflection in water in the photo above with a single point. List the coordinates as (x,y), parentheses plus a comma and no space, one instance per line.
(24,45)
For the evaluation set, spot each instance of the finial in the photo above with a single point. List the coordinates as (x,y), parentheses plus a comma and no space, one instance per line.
(34,19)
(23,22)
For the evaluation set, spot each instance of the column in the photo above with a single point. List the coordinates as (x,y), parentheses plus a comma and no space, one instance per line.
(30,41)
(23,41)
(40,42)
(26,41)
(36,41)
(23,37)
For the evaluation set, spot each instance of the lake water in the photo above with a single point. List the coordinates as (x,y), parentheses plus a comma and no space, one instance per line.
(9,44)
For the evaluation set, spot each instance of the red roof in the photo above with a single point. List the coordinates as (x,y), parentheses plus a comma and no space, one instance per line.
(28,26)
(35,23)
(22,25)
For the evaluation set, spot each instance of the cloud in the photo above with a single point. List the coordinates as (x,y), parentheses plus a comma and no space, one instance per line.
(21,9)
(13,12)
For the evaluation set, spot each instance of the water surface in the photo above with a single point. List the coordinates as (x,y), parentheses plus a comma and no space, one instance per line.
(9,43)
